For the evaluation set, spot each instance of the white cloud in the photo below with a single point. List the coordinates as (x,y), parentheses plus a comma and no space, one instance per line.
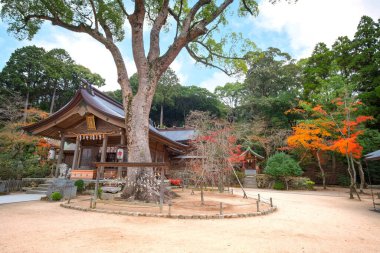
(217,79)
(89,53)
(177,66)
(311,21)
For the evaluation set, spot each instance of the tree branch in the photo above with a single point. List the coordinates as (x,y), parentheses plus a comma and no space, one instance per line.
(137,24)
(154,50)
(214,15)
(205,62)
(215,54)
(190,16)
(247,7)
(122,8)
(95,15)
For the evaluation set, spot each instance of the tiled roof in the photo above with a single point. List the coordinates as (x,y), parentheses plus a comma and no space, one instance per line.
(179,135)
(107,105)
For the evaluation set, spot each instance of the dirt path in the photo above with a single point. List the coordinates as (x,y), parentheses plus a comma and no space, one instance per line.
(314,222)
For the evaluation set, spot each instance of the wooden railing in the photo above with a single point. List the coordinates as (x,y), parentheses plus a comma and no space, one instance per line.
(127,164)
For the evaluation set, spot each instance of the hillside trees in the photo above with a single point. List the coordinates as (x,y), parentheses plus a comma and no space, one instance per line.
(271,87)
(357,61)
(44,79)
(177,100)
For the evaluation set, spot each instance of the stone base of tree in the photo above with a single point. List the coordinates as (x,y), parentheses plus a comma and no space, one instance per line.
(172,216)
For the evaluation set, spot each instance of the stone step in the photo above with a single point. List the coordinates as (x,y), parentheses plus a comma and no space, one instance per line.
(41,188)
(36,192)
(45,185)
(250,182)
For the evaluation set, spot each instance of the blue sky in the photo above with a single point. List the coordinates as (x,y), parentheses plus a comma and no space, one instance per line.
(294,28)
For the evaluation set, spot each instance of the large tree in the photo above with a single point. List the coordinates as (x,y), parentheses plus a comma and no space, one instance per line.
(195,24)
(24,73)
(271,87)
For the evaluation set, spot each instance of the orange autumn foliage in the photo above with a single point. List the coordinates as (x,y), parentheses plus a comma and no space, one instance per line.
(349,145)
(333,130)
(319,109)
(309,136)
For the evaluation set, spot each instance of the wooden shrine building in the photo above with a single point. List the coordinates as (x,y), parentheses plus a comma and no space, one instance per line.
(249,163)
(94,122)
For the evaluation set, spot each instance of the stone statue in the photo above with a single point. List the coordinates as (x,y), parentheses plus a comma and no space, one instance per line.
(64,170)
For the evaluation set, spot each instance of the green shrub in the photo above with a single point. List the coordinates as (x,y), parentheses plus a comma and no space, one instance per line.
(56,196)
(282,165)
(343,180)
(310,185)
(100,190)
(80,185)
(278,185)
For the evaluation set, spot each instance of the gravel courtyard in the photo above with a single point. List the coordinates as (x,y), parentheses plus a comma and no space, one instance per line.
(319,221)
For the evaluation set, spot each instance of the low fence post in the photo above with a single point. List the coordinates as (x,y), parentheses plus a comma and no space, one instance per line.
(221,208)
(271,203)
(258,197)
(170,208)
(258,206)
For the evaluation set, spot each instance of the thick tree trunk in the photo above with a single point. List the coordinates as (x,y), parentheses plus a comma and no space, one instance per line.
(322,171)
(162,117)
(361,175)
(351,172)
(53,99)
(141,184)
(26,106)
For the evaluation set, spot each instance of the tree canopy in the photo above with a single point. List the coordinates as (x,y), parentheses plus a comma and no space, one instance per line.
(44,79)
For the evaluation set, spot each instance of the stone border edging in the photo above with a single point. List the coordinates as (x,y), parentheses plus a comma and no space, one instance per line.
(173,216)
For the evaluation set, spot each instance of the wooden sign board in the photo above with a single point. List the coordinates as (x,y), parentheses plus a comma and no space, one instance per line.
(90,120)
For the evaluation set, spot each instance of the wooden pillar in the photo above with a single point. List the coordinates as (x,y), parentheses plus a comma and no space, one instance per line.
(60,155)
(96,190)
(162,190)
(76,152)
(122,142)
(104,155)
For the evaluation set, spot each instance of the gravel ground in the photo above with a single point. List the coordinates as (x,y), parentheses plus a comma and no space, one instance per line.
(320,221)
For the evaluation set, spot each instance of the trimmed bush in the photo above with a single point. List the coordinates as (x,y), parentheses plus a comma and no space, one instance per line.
(278,185)
(310,185)
(56,196)
(282,165)
(80,185)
